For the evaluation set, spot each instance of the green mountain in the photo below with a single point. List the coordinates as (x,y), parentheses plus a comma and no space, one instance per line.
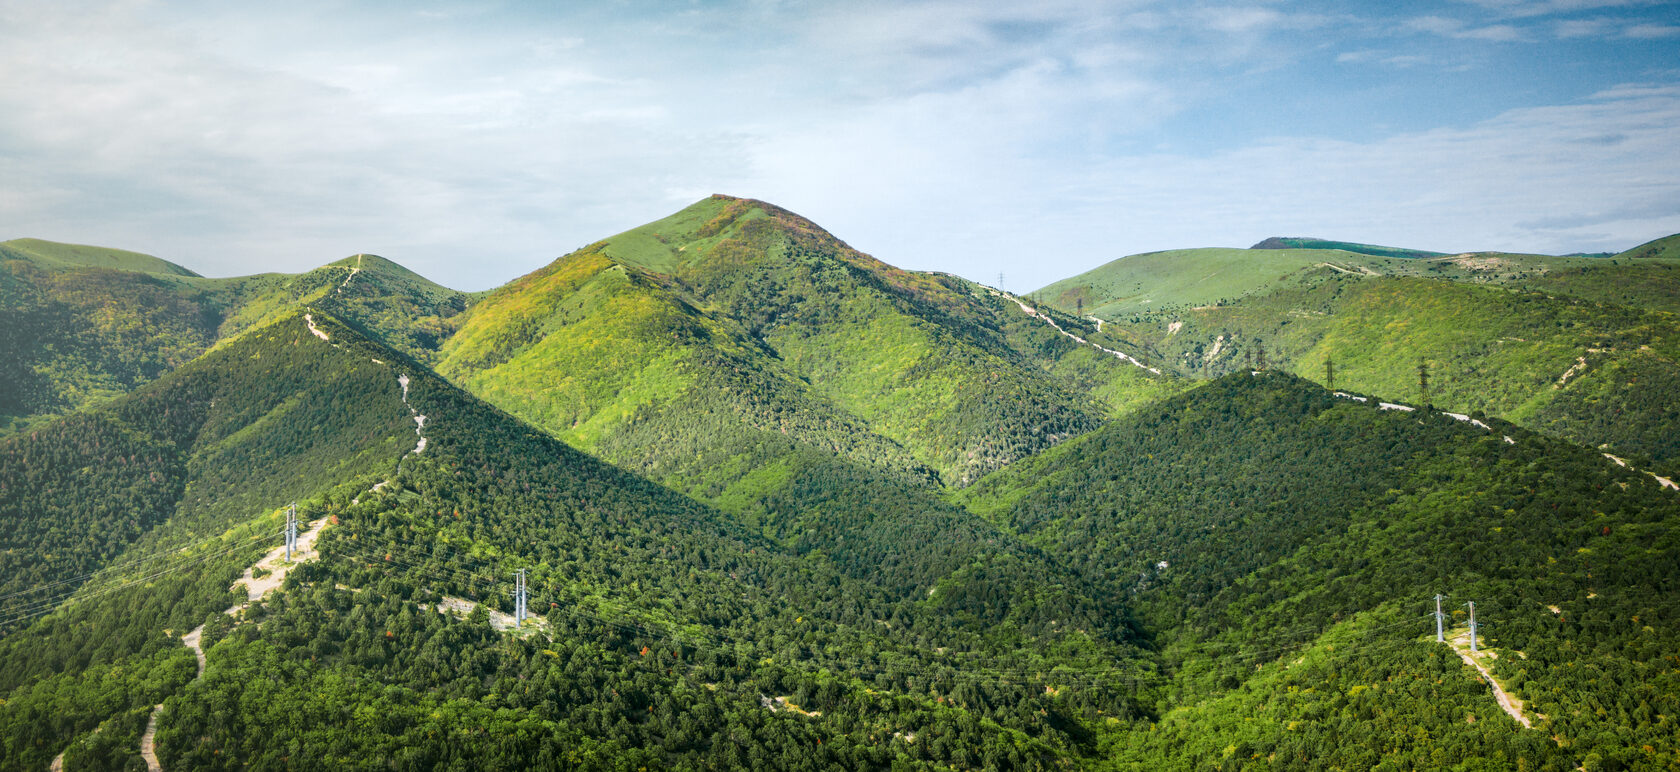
(86,324)
(1183,280)
(1282,546)
(703,348)
(782,505)
(734,319)
(669,635)
(1583,348)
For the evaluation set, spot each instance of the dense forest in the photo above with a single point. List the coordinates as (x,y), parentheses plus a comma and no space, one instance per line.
(957,643)
(1264,504)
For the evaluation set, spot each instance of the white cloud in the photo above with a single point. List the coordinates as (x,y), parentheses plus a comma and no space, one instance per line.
(1582,28)
(1652,31)
(1527,8)
(1456,28)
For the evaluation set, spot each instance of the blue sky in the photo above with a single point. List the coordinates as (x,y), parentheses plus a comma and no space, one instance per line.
(475,142)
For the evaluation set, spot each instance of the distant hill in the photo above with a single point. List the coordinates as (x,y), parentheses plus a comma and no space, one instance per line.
(53,255)
(1297,242)
(85,324)
(1580,347)
(1666,248)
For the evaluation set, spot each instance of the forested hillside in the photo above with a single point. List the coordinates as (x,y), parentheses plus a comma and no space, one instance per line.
(123,521)
(672,635)
(1263,521)
(86,324)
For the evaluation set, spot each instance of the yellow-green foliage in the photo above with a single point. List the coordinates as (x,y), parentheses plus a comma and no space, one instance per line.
(577,350)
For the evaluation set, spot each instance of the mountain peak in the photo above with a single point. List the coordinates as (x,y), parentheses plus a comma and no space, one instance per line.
(689,237)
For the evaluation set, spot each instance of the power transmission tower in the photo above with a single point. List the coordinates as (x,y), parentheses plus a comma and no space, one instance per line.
(1000,281)
(1330,378)
(1440,619)
(291,530)
(1472,605)
(519,597)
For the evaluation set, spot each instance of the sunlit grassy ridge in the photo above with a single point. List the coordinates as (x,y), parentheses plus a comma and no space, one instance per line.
(1182,279)
(941,366)
(1290,242)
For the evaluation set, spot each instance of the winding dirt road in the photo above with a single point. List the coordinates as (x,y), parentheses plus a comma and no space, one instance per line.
(1511,705)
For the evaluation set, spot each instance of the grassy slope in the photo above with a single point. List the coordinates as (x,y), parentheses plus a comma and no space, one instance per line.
(1277,507)
(1345,246)
(1184,278)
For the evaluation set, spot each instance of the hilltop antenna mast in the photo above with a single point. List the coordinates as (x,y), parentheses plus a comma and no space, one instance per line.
(291,530)
(1440,618)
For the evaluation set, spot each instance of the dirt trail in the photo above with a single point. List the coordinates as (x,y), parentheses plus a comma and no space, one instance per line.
(1511,705)
(353,272)
(148,742)
(255,589)
(1029,311)
(195,640)
(419,421)
(309,319)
